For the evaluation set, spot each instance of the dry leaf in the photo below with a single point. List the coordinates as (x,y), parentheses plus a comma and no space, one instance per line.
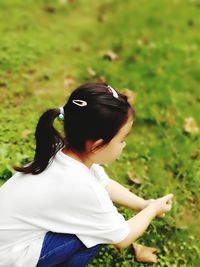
(145,254)
(3,84)
(25,133)
(91,72)
(130,95)
(135,180)
(63,1)
(17,101)
(69,81)
(110,55)
(190,126)
(101,18)
(102,79)
(170,118)
(195,154)
(50,9)
(31,71)
(143,40)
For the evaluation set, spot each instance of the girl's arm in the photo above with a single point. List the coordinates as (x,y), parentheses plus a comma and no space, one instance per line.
(139,223)
(121,195)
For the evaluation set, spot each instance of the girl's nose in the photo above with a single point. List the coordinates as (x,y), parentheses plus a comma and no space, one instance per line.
(124,144)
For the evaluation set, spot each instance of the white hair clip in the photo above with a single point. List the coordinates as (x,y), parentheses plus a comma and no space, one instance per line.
(115,94)
(80,102)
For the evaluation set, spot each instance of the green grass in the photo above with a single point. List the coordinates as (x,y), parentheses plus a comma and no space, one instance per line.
(43,43)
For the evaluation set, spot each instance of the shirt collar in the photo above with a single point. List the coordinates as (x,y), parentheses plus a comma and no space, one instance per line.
(67,160)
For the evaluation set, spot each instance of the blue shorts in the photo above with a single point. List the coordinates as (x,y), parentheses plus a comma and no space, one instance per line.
(65,250)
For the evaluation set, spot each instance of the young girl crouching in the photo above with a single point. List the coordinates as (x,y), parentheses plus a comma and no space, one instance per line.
(58,210)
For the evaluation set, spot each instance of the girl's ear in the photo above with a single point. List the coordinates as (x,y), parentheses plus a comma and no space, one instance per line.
(92,146)
(96,144)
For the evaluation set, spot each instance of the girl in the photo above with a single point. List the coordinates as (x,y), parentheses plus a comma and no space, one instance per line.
(58,210)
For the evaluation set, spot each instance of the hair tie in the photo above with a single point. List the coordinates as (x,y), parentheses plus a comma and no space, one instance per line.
(115,94)
(61,116)
(79,102)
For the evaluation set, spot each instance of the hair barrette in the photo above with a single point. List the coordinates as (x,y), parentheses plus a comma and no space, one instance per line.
(80,102)
(62,114)
(115,94)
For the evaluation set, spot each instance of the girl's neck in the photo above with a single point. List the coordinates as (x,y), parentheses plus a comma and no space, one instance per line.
(77,156)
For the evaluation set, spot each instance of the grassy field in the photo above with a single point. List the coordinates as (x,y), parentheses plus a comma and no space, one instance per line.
(48,48)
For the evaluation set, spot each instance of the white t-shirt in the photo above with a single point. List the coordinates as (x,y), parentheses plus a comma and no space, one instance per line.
(67,197)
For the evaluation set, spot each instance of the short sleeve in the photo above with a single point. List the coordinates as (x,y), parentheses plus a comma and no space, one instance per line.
(109,226)
(100,174)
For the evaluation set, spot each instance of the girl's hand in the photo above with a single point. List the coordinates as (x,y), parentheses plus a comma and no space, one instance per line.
(161,205)
(147,202)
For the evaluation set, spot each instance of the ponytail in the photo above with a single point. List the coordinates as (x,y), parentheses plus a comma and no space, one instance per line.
(48,142)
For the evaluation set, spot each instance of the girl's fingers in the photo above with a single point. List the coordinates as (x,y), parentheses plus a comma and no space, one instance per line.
(168,197)
(169,202)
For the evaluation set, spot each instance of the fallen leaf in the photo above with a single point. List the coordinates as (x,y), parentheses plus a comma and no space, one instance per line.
(69,81)
(63,1)
(31,71)
(26,133)
(195,155)
(17,100)
(50,9)
(144,254)
(143,40)
(3,84)
(110,55)
(170,119)
(91,72)
(101,18)
(102,79)
(66,1)
(130,95)
(190,126)
(132,178)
